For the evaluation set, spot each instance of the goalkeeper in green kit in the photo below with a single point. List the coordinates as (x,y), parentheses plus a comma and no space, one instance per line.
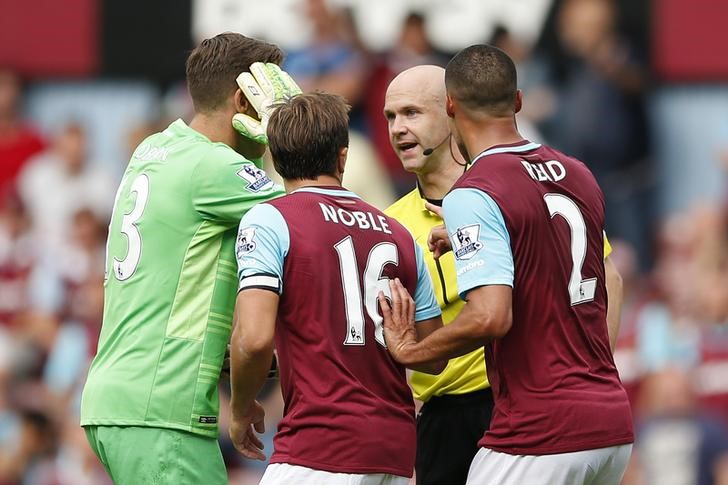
(150,404)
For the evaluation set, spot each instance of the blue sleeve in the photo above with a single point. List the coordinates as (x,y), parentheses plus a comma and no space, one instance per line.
(425,303)
(261,247)
(480,240)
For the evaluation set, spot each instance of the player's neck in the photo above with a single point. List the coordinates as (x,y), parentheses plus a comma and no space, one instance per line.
(210,125)
(217,127)
(320,181)
(482,134)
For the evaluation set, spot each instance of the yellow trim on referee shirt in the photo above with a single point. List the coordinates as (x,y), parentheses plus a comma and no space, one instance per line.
(607,247)
(463,374)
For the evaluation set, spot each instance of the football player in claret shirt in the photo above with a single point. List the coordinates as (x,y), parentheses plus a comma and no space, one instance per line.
(150,402)
(533,277)
(310,268)
(457,403)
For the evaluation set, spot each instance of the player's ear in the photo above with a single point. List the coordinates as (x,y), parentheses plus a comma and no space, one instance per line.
(450,106)
(242,105)
(341,163)
(518,104)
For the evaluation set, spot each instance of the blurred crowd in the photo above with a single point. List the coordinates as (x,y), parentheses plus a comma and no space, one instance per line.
(587,85)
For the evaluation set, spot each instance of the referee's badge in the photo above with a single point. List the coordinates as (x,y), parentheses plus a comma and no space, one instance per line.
(465,241)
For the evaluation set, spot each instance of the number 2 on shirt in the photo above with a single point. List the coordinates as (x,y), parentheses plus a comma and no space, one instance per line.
(580,290)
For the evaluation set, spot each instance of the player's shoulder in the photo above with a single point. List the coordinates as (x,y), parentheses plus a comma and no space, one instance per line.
(193,150)
(155,147)
(285,204)
(264,214)
(220,153)
(505,168)
(220,158)
(148,143)
(570,167)
(551,153)
(466,196)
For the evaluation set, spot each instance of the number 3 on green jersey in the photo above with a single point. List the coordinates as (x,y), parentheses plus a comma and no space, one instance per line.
(125,268)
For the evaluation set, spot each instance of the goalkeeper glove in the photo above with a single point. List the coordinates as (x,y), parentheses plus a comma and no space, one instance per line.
(264,86)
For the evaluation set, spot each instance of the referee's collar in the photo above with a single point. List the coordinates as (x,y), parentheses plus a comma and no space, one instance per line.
(437,202)
(425,211)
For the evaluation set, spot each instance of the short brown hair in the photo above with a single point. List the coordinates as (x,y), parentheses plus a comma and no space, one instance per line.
(306,134)
(213,66)
(483,78)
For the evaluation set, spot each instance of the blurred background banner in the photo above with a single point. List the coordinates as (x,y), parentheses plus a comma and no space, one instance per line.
(686,39)
(47,38)
(638,90)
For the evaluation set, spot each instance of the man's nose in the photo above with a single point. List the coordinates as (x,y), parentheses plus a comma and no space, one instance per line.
(397,126)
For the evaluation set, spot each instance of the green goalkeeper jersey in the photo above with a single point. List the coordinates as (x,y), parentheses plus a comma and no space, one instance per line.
(171,283)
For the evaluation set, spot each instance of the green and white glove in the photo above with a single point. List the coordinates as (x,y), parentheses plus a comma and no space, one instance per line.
(264,86)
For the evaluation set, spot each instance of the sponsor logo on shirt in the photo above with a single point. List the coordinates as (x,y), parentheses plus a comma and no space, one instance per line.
(465,241)
(245,243)
(470,266)
(256,178)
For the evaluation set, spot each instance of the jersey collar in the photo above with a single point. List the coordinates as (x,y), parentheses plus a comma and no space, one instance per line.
(333,191)
(437,202)
(518,147)
(179,128)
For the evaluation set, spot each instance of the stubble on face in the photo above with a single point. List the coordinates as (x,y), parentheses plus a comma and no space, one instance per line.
(458,140)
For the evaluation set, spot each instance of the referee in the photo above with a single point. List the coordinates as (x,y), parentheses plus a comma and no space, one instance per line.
(458,402)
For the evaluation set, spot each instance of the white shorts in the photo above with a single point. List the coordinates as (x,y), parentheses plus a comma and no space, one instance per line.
(601,466)
(285,474)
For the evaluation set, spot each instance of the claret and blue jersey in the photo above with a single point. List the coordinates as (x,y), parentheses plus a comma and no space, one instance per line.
(264,241)
(327,254)
(530,217)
